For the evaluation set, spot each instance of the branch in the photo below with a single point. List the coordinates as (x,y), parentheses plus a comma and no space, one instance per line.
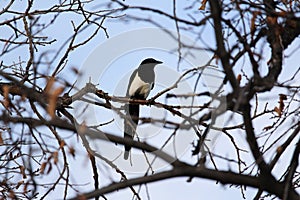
(84,131)
(160,12)
(223,177)
(251,139)
(221,51)
(289,177)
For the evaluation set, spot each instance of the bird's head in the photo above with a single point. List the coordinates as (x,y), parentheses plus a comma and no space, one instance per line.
(151,61)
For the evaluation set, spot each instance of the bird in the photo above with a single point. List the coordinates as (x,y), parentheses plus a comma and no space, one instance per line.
(140,84)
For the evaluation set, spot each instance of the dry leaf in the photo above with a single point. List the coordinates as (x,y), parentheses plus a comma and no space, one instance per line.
(239,78)
(1,139)
(52,101)
(72,151)
(277,110)
(82,128)
(81,197)
(22,170)
(6,102)
(252,25)
(49,85)
(203,5)
(272,20)
(62,144)
(282,97)
(281,106)
(55,157)
(25,187)
(52,95)
(279,149)
(12,195)
(216,57)
(43,166)
(282,14)
(267,128)
(19,184)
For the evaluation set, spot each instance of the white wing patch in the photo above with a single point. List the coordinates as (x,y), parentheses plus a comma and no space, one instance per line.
(138,84)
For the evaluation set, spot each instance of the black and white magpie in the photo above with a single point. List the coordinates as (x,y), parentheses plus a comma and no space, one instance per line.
(139,86)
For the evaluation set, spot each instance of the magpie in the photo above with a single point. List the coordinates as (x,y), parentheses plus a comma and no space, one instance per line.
(140,83)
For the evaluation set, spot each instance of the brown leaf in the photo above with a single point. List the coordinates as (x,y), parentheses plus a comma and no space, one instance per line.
(62,144)
(6,102)
(55,157)
(81,197)
(203,5)
(282,14)
(12,195)
(252,25)
(267,128)
(19,184)
(239,78)
(281,106)
(272,20)
(277,110)
(43,166)
(22,170)
(82,128)
(282,96)
(216,57)
(26,187)
(280,109)
(72,151)
(49,85)
(279,149)
(1,139)
(52,101)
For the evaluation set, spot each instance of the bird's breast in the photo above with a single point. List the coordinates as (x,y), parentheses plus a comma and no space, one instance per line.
(139,89)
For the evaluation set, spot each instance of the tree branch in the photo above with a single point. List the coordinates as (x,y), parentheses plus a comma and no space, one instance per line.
(223,177)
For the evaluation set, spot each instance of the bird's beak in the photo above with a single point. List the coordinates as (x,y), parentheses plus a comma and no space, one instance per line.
(159,62)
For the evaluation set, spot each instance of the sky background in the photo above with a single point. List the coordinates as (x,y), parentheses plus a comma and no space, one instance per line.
(110,62)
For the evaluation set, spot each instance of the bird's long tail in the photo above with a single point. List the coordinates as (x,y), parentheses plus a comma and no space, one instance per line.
(130,124)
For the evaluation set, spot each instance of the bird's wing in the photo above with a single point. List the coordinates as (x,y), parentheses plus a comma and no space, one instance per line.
(152,85)
(130,81)
(132,111)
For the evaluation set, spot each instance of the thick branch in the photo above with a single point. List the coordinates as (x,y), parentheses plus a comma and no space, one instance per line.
(223,177)
(84,131)
(221,50)
(251,139)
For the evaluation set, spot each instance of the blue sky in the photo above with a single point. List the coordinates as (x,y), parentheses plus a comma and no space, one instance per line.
(107,61)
